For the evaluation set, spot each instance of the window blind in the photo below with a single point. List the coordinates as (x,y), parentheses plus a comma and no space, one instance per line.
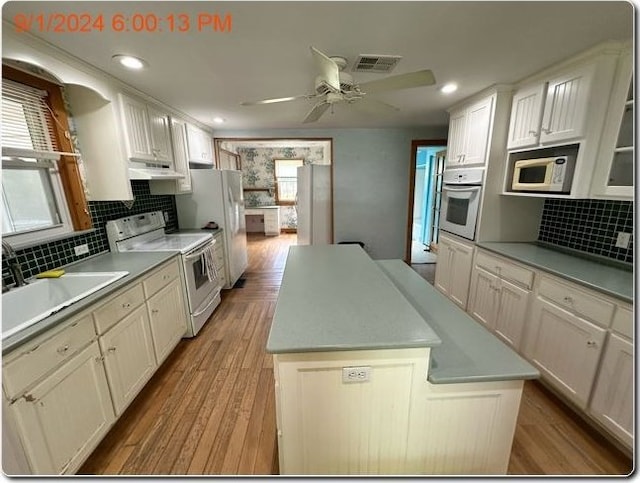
(28,129)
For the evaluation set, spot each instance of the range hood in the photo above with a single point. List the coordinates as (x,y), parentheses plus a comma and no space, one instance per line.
(154,173)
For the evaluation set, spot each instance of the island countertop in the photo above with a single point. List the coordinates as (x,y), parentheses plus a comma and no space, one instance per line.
(335,298)
(469,352)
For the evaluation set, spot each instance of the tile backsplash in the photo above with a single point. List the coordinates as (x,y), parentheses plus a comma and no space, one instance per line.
(590,226)
(55,254)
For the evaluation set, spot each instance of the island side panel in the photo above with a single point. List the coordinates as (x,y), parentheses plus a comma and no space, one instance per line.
(328,427)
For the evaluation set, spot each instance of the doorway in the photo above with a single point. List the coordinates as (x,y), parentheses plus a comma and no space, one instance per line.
(427,165)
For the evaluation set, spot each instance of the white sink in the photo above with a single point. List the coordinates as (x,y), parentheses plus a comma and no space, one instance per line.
(26,305)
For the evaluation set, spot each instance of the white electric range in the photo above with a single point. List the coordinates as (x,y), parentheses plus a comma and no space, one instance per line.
(145,233)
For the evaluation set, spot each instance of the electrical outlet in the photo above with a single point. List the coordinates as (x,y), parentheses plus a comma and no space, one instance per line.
(356,374)
(623,240)
(166,216)
(81,249)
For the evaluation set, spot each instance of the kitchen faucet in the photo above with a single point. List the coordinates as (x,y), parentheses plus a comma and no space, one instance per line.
(12,260)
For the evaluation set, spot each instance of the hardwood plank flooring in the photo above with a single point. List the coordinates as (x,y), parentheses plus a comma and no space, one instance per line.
(210,408)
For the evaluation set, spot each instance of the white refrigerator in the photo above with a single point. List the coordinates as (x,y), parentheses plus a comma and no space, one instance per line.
(217,196)
(313,205)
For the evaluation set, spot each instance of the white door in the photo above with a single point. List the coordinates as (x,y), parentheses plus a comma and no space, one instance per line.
(511,313)
(462,261)
(136,124)
(566,106)
(128,357)
(457,133)
(477,136)
(526,116)
(181,163)
(66,415)
(167,319)
(160,137)
(483,297)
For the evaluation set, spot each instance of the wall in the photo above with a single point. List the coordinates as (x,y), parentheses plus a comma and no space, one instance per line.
(55,254)
(258,172)
(589,226)
(370,181)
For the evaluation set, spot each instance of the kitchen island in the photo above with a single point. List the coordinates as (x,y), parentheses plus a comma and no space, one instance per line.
(358,388)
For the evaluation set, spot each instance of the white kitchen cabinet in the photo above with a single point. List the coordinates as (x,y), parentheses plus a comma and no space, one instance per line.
(272,221)
(146,129)
(498,304)
(526,116)
(499,296)
(551,111)
(613,177)
(561,342)
(612,403)
(65,415)
(128,357)
(180,164)
(199,146)
(167,319)
(453,269)
(469,130)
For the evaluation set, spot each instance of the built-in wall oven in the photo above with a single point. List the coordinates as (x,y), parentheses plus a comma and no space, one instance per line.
(461,190)
(145,233)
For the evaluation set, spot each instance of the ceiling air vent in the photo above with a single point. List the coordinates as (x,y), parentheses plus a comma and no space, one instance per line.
(376,63)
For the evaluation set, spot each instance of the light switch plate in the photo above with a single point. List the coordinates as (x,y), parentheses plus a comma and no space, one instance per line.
(623,240)
(81,249)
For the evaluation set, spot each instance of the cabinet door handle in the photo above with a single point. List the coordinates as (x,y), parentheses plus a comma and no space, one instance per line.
(534,133)
(154,311)
(568,300)
(592,343)
(62,350)
(111,350)
(126,305)
(546,130)
(165,277)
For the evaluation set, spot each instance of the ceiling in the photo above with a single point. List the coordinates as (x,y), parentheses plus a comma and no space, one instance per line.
(266,54)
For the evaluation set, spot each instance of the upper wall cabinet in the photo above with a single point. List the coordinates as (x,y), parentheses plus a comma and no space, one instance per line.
(180,163)
(469,129)
(200,146)
(551,111)
(613,177)
(147,134)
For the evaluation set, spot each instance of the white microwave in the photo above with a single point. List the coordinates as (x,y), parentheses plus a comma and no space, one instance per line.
(549,175)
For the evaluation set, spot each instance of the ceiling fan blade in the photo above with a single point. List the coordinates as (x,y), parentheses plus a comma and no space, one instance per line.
(317,111)
(402,81)
(274,100)
(374,106)
(328,69)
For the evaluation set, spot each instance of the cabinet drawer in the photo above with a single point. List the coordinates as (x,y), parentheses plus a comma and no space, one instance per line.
(504,269)
(160,278)
(119,306)
(270,215)
(583,303)
(623,322)
(35,362)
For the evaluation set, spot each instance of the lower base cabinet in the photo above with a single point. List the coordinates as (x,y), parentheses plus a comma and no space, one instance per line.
(128,357)
(565,348)
(453,269)
(66,415)
(64,389)
(612,403)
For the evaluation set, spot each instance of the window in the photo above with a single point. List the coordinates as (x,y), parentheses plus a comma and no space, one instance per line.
(286,180)
(37,175)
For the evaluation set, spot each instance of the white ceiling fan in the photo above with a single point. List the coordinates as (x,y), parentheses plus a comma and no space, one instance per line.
(334,86)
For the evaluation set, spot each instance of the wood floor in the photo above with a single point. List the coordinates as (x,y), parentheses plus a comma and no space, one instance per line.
(209,409)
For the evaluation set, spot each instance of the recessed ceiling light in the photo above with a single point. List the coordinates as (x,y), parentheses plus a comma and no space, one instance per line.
(218,120)
(449,88)
(129,61)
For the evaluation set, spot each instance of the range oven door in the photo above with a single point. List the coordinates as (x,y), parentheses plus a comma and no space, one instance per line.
(459,209)
(199,287)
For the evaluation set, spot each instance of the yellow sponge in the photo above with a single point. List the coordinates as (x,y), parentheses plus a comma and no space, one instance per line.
(51,274)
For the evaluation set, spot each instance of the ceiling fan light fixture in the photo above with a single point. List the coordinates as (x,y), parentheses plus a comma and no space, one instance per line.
(449,88)
(129,61)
